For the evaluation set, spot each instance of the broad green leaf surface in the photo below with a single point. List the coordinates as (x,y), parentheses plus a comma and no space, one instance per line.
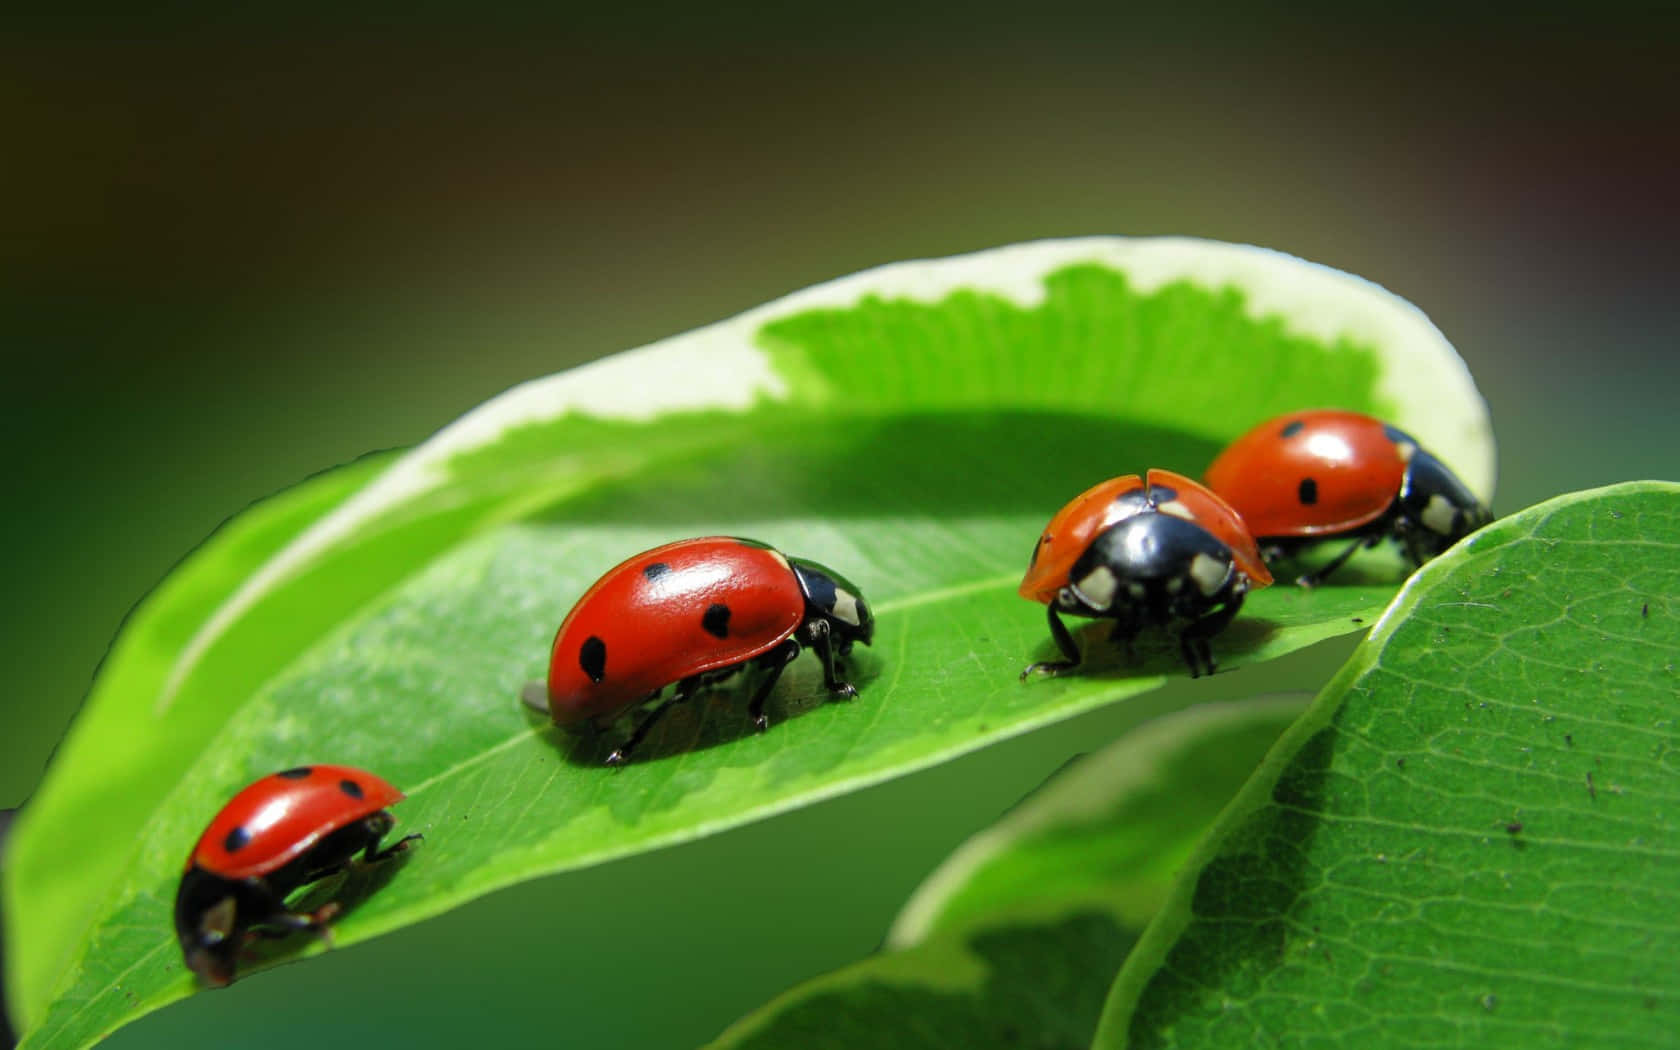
(1112,829)
(913,426)
(1472,839)
(1011,941)
(52,878)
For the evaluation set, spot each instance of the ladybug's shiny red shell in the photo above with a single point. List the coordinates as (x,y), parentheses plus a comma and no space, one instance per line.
(280,816)
(1098,508)
(1318,473)
(668,614)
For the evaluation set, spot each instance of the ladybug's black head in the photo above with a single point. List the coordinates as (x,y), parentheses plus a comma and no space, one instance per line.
(832,597)
(207,923)
(1436,508)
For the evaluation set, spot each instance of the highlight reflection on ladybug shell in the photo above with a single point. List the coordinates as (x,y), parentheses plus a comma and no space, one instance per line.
(280,816)
(679,610)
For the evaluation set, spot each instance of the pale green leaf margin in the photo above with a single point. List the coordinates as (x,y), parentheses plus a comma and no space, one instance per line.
(1082,794)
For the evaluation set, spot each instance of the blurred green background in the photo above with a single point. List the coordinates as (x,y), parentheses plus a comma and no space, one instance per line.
(239,251)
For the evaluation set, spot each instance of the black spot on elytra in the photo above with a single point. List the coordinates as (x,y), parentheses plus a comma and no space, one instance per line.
(296,772)
(1308,492)
(236,840)
(1293,427)
(655,570)
(351,788)
(592,657)
(716,620)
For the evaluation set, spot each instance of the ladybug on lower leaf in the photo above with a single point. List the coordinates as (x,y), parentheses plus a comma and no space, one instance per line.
(692,613)
(283,832)
(1306,477)
(1145,551)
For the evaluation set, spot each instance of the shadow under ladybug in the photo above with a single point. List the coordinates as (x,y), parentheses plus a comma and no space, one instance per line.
(1157,648)
(715,713)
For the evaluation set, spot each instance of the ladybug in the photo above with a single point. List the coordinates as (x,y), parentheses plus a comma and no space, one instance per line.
(1328,474)
(1144,551)
(284,831)
(692,613)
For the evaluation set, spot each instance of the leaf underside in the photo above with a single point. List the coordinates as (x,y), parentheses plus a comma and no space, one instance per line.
(1020,930)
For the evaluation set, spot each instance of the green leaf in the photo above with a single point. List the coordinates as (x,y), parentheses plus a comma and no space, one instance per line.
(913,426)
(1471,838)
(1011,941)
(53,879)
(1112,829)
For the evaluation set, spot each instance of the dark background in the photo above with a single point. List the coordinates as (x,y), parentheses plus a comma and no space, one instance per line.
(234,252)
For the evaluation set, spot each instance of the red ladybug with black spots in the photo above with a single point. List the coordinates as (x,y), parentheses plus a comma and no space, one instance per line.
(283,832)
(1328,474)
(1150,551)
(692,613)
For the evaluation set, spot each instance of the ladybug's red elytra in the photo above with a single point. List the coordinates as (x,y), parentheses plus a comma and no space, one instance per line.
(691,613)
(285,831)
(1144,551)
(1325,474)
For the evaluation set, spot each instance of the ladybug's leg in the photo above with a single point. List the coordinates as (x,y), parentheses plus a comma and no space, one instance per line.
(775,661)
(816,633)
(595,725)
(337,851)
(1313,579)
(685,689)
(1419,544)
(285,923)
(269,919)
(377,826)
(1193,640)
(1064,642)
(374,855)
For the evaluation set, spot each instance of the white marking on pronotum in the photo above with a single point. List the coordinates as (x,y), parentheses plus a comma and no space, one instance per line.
(1209,573)
(1439,515)
(1097,588)
(721,366)
(1422,377)
(1177,509)
(845,607)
